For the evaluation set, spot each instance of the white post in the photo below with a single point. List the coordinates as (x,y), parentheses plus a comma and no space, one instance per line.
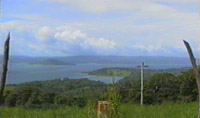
(142,83)
(142,66)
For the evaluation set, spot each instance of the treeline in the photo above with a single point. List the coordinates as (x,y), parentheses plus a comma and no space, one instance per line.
(133,72)
(159,88)
(54,93)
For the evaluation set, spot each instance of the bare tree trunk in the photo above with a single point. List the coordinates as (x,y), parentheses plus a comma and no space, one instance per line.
(195,68)
(5,67)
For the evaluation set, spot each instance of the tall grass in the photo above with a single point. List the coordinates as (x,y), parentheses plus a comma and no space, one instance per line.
(167,110)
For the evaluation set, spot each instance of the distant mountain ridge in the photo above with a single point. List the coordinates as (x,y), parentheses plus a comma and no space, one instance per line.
(52,62)
(101,59)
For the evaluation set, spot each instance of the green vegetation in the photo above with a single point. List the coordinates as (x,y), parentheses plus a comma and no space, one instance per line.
(164,94)
(133,72)
(114,72)
(54,93)
(166,110)
(161,87)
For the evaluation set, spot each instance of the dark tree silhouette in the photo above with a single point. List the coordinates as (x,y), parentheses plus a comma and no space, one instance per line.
(5,66)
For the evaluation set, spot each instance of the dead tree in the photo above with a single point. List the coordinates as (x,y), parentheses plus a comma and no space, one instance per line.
(5,66)
(195,68)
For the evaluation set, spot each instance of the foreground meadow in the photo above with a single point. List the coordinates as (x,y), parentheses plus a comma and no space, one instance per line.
(167,110)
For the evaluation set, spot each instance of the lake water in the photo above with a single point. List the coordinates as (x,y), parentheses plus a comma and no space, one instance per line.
(20,73)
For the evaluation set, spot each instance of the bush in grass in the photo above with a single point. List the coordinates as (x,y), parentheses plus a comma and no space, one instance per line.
(80,102)
(163,87)
(11,100)
(188,86)
(114,98)
(47,98)
(60,100)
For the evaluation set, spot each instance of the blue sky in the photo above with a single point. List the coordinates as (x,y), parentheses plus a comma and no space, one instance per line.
(100,27)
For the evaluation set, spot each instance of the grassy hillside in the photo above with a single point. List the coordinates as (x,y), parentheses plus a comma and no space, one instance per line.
(167,110)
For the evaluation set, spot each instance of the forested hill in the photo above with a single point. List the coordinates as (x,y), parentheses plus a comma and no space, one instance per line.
(157,89)
(54,93)
(66,86)
(134,72)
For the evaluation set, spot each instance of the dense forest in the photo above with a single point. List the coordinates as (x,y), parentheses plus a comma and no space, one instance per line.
(159,88)
(134,72)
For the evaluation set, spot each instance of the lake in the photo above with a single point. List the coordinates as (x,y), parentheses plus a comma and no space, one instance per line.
(20,73)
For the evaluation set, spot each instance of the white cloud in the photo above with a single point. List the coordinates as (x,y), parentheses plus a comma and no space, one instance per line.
(101,43)
(149,48)
(19,26)
(60,33)
(74,37)
(102,6)
(180,1)
(70,36)
(98,5)
(45,33)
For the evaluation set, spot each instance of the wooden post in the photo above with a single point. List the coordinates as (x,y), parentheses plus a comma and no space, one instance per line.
(103,109)
(5,67)
(195,68)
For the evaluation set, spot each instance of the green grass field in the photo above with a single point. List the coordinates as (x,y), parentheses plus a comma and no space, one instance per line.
(167,110)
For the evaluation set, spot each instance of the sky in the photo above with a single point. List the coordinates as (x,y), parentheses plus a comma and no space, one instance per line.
(100,27)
